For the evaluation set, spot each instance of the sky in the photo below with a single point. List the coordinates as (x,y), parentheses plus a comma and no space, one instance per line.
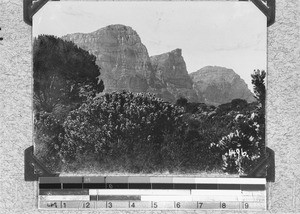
(227,34)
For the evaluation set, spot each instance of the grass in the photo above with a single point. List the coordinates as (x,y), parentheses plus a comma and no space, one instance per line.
(88,167)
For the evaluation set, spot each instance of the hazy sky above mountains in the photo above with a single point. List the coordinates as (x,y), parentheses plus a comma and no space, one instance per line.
(228,34)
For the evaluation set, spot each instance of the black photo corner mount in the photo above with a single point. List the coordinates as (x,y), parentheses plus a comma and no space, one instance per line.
(33,168)
(267,7)
(265,168)
(30,7)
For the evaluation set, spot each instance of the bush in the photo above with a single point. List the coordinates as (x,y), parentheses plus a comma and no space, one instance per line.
(122,125)
(239,104)
(240,148)
(243,148)
(48,139)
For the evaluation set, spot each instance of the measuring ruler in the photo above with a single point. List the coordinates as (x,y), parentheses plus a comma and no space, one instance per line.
(134,192)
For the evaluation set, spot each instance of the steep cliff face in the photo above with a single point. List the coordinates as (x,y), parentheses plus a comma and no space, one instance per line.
(124,60)
(218,85)
(126,65)
(170,69)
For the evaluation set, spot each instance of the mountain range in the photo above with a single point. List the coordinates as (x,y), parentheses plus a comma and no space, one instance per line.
(126,65)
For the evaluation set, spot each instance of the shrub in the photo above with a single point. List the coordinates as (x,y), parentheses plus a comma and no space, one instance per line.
(243,148)
(239,104)
(48,139)
(122,125)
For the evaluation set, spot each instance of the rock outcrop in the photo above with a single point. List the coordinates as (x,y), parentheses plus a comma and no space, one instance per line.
(123,59)
(125,65)
(218,85)
(170,69)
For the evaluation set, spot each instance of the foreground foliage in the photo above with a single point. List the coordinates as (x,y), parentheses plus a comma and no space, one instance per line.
(123,127)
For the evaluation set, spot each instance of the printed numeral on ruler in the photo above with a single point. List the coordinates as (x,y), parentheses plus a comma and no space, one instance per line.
(150,205)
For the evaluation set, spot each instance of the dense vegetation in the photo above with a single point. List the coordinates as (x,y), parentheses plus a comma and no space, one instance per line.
(75,126)
(124,128)
(62,72)
(64,77)
(244,147)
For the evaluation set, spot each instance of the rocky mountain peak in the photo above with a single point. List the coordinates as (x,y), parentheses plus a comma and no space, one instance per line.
(170,68)
(125,65)
(123,59)
(119,33)
(177,52)
(220,85)
(216,73)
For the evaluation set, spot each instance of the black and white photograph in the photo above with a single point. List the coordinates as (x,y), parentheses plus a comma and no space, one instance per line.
(150,87)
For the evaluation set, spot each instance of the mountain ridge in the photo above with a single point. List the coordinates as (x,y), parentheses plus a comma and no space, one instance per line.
(126,65)
(220,85)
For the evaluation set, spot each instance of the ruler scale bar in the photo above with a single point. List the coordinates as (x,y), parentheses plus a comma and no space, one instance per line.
(136,179)
(50,186)
(115,204)
(118,197)
(252,187)
(126,182)
(190,198)
(64,197)
(64,192)
(94,186)
(139,185)
(141,192)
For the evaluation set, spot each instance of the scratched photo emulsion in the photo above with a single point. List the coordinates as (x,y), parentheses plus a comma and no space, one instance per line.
(149,88)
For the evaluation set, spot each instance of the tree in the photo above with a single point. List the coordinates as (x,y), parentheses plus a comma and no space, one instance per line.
(64,77)
(258,81)
(63,73)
